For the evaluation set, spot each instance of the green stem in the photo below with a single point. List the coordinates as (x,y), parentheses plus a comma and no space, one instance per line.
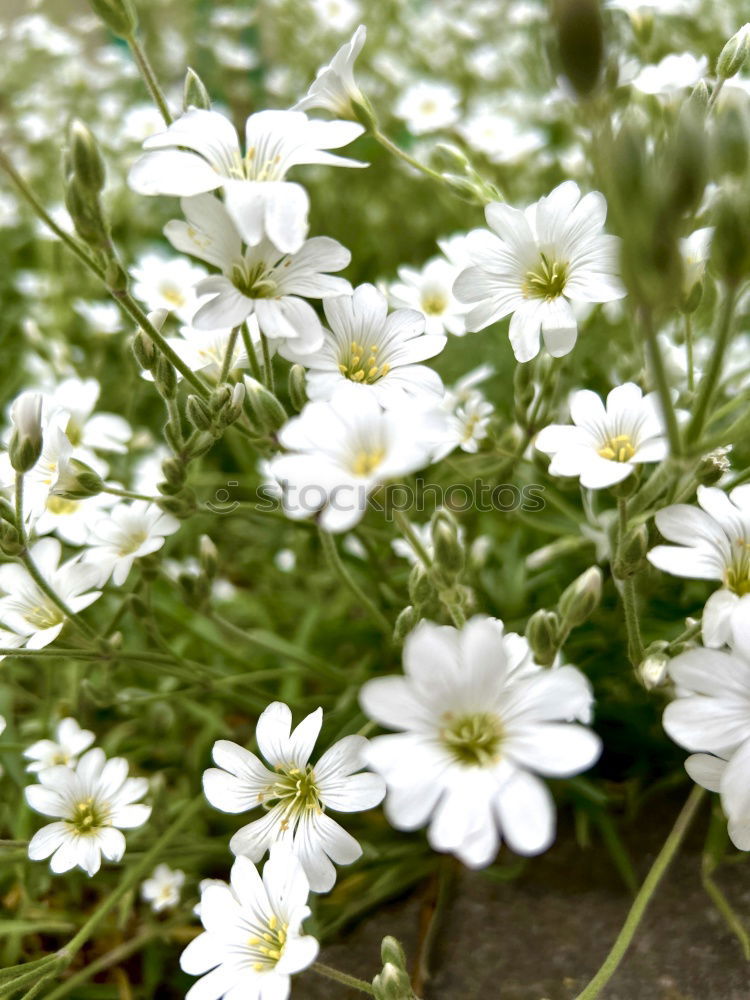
(731,919)
(662,383)
(650,883)
(343,978)
(406,529)
(720,337)
(252,356)
(628,593)
(689,349)
(149,78)
(20,527)
(391,146)
(133,875)
(267,366)
(337,566)
(42,584)
(227,363)
(129,494)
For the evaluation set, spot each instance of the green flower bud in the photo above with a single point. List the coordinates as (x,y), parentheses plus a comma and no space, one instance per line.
(76,481)
(699,98)
(688,163)
(543,635)
(144,350)
(116,276)
(732,141)
(219,398)
(267,412)
(713,466)
(652,671)
(85,158)
(421,586)
(363,112)
(392,952)
(119,15)
(208,557)
(198,413)
(10,541)
(173,435)
(449,556)
(233,408)
(6,512)
(580,39)
(194,93)
(392,984)
(85,211)
(405,623)
(730,247)
(165,378)
(203,442)
(581,598)
(631,552)
(733,55)
(523,391)
(27,438)
(296,387)
(174,471)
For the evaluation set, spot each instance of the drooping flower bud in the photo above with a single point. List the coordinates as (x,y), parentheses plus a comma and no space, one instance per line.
(581,598)
(27,439)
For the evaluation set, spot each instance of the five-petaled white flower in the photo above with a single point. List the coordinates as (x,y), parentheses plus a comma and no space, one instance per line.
(200,152)
(259,280)
(253,941)
(535,263)
(343,450)
(377,352)
(478,720)
(131,530)
(428,107)
(30,612)
(91,804)
(713,543)
(162,889)
(604,444)
(334,88)
(431,291)
(70,741)
(296,793)
(167,284)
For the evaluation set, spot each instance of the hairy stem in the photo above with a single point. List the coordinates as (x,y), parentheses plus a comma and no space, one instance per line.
(338,568)
(149,78)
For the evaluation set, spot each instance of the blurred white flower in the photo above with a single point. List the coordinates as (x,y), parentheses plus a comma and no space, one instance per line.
(336,15)
(285,560)
(69,743)
(253,941)
(204,351)
(129,532)
(102,317)
(162,889)
(27,610)
(161,283)
(296,795)
(501,138)
(695,251)
(342,450)
(713,543)
(535,263)
(334,88)
(92,804)
(428,107)
(259,280)
(673,74)
(200,152)
(604,444)
(477,721)
(372,350)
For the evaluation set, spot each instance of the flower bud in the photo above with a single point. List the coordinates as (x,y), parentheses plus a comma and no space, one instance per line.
(421,586)
(144,350)
(713,466)
(392,984)
(688,162)
(733,55)
(85,211)
(198,413)
(116,276)
(652,671)
(405,623)
(699,98)
(296,387)
(267,412)
(581,598)
(363,112)
(194,93)
(731,146)
(85,159)
(6,512)
(208,557)
(76,481)
(27,439)
(10,541)
(165,378)
(523,391)
(233,408)
(174,471)
(543,636)
(447,548)
(202,443)
(119,15)
(730,248)
(580,39)
(631,552)
(392,951)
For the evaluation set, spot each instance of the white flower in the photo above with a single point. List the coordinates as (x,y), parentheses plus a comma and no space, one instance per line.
(253,941)
(695,251)
(102,317)
(537,263)
(167,284)
(428,107)
(205,350)
(26,415)
(31,613)
(431,292)
(259,280)
(478,721)
(84,428)
(336,15)
(376,352)
(162,890)
(501,138)
(69,743)
(402,547)
(130,531)
(295,794)
(731,778)
(673,74)
(334,88)
(200,152)
(605,444)
(92,804)
(343,450)
(713,543)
